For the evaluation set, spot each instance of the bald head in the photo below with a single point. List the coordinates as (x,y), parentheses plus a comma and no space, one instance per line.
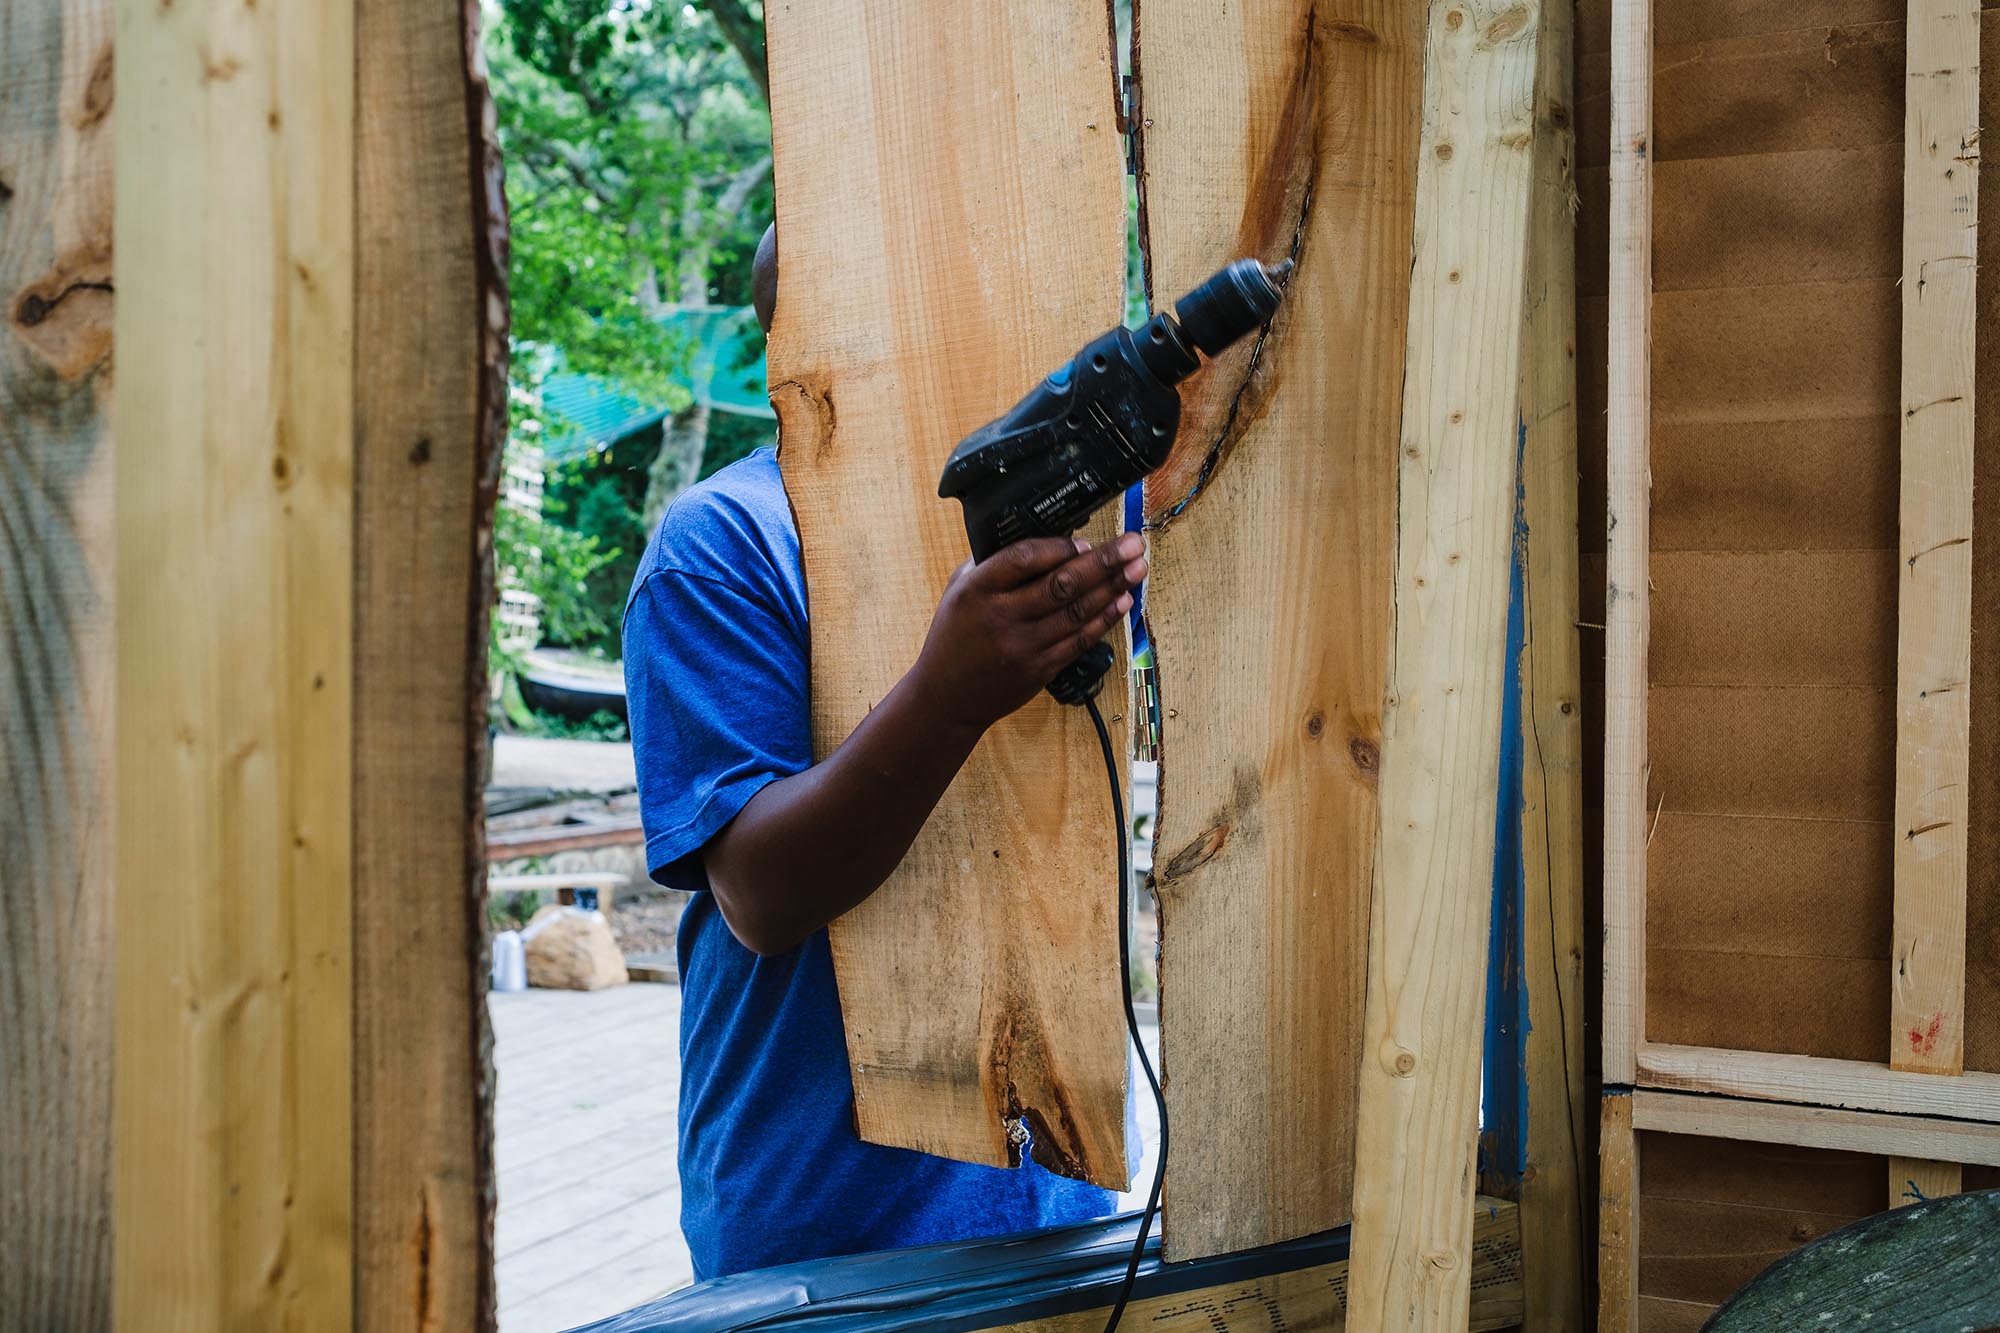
(764,277)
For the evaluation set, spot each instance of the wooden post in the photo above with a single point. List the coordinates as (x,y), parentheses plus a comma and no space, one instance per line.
(301,1105)
(55,664)
(1553,1183)
(1629,400)
(1418,1118)
(430,400)
(1941,150)
(1618,1218)
(1273,549)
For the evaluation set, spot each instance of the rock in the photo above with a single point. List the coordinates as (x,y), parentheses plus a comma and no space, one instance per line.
(571,949)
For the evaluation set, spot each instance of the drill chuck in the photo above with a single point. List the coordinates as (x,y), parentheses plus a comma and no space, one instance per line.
(1237,301)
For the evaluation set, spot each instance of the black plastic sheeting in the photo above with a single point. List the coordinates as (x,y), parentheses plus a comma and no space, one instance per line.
(959,1287)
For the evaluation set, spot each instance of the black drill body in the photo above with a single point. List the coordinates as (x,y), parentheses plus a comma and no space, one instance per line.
(1096,426)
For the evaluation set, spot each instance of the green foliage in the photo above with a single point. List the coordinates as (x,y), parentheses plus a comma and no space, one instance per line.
(621,123)
(637,150)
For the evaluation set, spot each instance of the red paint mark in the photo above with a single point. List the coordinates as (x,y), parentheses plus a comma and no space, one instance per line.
(1924,1040)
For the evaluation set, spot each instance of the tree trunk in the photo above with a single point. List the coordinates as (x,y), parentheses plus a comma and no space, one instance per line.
(684,435)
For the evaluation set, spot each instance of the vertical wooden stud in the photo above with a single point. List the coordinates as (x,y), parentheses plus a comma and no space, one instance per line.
(1418,1116)
(1552,1186)
(1914,1179)
(1628,396)
(1934,610)
(234,643)
(1617,1217)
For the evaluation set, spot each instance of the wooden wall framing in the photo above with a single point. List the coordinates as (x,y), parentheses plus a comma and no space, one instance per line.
(1882,105)
(310,326)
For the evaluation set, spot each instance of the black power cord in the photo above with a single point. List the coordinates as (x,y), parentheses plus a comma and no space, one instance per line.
(1131,1016)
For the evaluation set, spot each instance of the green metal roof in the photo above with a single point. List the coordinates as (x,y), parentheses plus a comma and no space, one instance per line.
(725,371)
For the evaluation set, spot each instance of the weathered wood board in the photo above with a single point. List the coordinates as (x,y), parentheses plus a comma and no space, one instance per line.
(55,666)
(1274,129)
(430,383)
(1559,1110)
(951,221)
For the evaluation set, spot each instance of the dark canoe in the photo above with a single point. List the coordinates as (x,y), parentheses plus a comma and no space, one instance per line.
(571,694)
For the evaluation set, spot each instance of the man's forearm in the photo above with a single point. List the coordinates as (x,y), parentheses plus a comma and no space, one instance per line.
(809,847)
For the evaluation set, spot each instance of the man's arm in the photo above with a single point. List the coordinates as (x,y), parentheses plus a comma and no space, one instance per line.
(807,848)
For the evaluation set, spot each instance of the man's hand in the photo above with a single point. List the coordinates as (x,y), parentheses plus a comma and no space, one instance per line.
(810,846)
(1004,628)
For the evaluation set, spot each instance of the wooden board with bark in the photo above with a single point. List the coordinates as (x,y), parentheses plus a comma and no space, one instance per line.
(1280,129)
(950,216)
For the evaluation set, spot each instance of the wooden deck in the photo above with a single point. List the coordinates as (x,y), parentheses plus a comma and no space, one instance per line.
(584,1140)
(584,1143)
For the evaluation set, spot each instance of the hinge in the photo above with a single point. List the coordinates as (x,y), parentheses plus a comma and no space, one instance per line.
(1128,117)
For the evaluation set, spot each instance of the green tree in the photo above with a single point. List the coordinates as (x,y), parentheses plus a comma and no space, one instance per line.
(638,156)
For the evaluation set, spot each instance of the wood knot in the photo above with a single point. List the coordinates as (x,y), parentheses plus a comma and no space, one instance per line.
(1198,852)
(1398,1059)
(1454,19)
(1315,724)
(1444,152)
(1367,755)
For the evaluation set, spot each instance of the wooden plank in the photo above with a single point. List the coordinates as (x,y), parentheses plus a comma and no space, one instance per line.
(1317,1298)
(1279,129)
(55,664)
(1627,625)
(1552,930)
(1418,1117)
(950,202)
(1934,610)
(430,392)
(1818,1081)
(1814,1126)
(1617,1217)
(234,570)
(584,836)
(1914,1179)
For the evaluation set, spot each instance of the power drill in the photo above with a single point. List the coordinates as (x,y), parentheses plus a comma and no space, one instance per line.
(1096,426)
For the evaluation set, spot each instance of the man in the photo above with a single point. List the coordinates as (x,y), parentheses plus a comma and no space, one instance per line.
(774,847)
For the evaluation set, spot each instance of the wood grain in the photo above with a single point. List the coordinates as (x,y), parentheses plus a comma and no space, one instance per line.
(1417,1122)
(55,664)
(1814,1127)
(1617,1217)
(430,382)
(1277,129)
(1552,787)
(1934,609)
(951,221)
(1819,1081)
(1629,400)
(235,527)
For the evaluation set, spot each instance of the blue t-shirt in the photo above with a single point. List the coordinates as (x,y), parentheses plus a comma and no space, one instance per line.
(716,681)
